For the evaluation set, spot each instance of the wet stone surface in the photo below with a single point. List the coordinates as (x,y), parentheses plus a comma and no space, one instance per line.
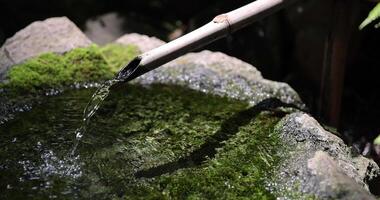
(320,163)
(159,142)
(217,73)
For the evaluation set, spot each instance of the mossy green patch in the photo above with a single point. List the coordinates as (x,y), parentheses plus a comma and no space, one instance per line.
(238,170)
(118,55)
(49,70)
(187,145)
(160,142)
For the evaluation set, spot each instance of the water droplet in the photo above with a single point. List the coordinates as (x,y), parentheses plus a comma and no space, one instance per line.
(79,135)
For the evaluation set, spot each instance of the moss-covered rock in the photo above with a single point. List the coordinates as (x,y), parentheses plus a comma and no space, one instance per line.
(172,142)
(117,55)
(240,168)
(161,142)
(50,70)
(57,34)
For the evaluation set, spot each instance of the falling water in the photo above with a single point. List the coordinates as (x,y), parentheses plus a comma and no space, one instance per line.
(93,105)
(100,95)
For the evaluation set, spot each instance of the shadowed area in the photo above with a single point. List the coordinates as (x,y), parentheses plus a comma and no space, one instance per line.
(228,129)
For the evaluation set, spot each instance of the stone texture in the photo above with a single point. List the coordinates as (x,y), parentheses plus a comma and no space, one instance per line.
(143,42)
(105,28)
(213,72)
(333,182)
(223,75)
(320,163)
(57,34)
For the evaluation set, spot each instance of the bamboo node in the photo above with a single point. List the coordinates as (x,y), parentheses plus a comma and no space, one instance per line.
(223,18)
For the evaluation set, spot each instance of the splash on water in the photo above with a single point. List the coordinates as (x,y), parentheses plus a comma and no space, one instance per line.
(52,165)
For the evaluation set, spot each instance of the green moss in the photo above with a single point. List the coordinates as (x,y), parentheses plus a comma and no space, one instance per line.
(86,65)
(187,145)
(377,140)
(116,55)
(161,142)
(47,70)
(90,64)
(238,170)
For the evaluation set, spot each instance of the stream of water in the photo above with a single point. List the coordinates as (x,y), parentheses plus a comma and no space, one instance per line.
(99,96)
(92,106)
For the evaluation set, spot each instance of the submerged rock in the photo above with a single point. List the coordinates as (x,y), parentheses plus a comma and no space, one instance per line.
(56,34)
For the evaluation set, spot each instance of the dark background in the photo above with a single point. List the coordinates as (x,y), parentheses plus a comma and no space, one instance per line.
(288,46)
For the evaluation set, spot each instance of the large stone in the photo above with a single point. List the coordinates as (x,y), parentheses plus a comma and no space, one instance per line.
(332,181)
(213,72)
(143,42)
(320,164)
(218,73)
(109,27)
(105,28)
(57,34)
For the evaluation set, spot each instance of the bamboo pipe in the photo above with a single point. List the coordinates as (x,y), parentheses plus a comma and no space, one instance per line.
(221,26)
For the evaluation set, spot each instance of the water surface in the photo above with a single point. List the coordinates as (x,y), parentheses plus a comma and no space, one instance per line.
(135,146)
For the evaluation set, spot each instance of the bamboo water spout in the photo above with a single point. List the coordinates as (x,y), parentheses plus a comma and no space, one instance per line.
(221,26)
